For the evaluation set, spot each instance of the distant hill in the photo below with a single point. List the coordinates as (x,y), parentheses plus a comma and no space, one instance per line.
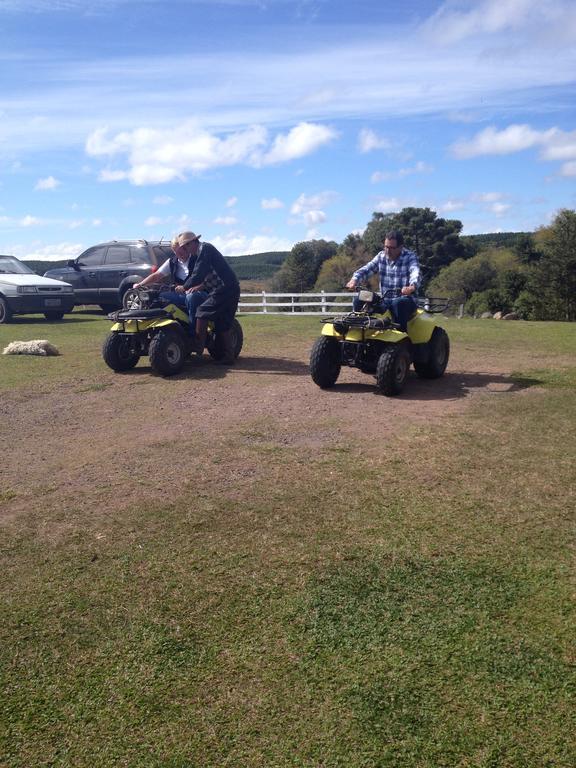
(494,239)
(256,266)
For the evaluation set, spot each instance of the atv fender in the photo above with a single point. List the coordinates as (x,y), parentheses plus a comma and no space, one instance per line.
(390,335)
(140,326)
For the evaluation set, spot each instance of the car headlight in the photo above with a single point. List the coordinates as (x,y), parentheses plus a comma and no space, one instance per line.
(67,289)
(27,289)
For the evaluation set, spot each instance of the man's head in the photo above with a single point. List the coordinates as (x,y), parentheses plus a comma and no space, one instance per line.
(393,243)
(180,253)
(189,243)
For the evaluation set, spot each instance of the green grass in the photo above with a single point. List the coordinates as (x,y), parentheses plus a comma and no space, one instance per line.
(409,608)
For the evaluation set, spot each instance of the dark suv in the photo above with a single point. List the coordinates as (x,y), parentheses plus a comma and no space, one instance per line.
(105,273)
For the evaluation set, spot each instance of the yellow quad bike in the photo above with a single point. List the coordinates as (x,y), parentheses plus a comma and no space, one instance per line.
(160,331)
(374,343)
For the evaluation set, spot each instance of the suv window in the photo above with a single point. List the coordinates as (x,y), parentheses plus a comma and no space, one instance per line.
(92,257)
(162,252)
(139,255)
(118,254)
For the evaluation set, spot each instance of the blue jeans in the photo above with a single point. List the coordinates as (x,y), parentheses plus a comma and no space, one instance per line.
(189,302)
(402,308)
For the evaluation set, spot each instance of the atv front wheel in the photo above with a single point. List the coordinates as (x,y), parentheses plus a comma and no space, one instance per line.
(392,370)
(216,348)
(119,353)
(438,359)
(167,352)
(325,362)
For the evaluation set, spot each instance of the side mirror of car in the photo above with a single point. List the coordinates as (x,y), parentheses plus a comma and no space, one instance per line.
(73,263)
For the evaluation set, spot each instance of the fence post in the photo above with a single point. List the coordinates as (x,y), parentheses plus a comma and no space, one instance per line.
(292,302)
(323,303)
(264,305)
(461,312)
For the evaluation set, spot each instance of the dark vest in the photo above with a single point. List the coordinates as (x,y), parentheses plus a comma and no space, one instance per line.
(174,278)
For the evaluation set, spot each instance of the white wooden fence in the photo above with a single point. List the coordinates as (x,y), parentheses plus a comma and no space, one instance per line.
(294,303)
(304,303)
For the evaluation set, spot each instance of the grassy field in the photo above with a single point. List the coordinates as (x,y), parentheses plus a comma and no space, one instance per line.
(330,603)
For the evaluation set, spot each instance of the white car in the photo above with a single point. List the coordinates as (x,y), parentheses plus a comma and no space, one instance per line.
(23,292)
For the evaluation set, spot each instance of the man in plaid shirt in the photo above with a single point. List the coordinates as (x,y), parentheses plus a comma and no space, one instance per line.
(399,272)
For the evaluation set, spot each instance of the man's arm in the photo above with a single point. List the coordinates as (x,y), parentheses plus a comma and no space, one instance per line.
(155,277)
(361,274)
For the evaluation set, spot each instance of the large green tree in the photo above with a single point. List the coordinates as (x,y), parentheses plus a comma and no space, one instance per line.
(336,271)
(553,276)
(435,240)
(302,265)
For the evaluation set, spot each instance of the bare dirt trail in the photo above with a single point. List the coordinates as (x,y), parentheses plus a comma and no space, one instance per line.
(106,439)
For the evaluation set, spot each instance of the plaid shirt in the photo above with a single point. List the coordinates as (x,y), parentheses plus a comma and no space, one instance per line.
(394,275)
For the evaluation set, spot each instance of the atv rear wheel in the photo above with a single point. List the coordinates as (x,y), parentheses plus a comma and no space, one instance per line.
(119,352)
(215,346)
(439,354)
(392,370)
(167,352)
(325,362)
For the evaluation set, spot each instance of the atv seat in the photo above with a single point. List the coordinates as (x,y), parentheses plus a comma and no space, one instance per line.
(138,314)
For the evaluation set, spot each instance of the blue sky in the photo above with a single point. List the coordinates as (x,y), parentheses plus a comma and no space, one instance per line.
(261,123)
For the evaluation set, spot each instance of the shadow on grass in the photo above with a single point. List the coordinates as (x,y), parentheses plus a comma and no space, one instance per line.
(452,386)
(20,320)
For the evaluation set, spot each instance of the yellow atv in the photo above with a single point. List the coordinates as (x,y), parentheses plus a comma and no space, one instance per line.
(373,342)
(159,331)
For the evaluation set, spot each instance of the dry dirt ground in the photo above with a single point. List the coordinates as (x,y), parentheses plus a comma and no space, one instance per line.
(98,444)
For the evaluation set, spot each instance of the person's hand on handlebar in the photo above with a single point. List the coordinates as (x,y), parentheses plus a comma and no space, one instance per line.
(351,284)
(408,290)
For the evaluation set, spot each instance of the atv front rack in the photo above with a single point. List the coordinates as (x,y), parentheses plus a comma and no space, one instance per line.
(342,323)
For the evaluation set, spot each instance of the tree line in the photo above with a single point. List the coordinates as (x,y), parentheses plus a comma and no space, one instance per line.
(532,274)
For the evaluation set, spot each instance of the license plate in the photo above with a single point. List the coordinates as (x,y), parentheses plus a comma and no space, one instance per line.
(52,302)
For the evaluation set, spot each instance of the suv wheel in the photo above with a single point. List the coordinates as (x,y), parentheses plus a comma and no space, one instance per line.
(5,311)
(131,299)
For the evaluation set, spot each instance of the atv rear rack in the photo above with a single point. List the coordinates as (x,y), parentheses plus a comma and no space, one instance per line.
(433,305)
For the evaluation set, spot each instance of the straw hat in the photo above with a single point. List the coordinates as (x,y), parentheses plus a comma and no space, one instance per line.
(187,237)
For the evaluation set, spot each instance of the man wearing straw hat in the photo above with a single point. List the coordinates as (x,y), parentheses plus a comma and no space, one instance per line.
(210,272)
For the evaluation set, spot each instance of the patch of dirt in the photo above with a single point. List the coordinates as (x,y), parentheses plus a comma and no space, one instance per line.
(101,444)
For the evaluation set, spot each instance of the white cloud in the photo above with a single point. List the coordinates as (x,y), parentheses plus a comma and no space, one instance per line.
(231,202)
(161,155)
(226,221)
(554,144)
(237,244)
(305,203)
(369,140)
(302,140)
(49,183)
(308,208)
(490,141)
(388,206)
(499,209)
(568,169)
(153,221)
(401,173)
(271,204)
(449,206)
(56,252)
(30,221)
(163,200)
(492,17)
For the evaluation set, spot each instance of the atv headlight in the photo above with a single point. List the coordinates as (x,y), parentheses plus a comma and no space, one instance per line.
(366,296)
(27,289)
